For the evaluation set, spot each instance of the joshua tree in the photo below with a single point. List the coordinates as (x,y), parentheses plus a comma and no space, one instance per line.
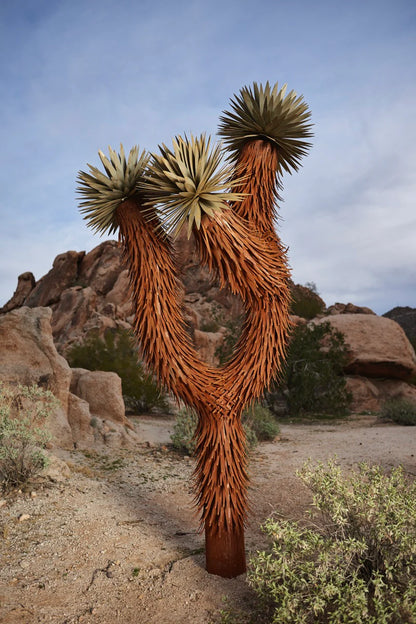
(230,210)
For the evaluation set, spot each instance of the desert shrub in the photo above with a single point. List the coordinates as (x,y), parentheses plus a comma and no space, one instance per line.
(400,411)
(258,422)
(314,371)
(184,430)
(23,411)
(306,301)
(360,566)
(117,352)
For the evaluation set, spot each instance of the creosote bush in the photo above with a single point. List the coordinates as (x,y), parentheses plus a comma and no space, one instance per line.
(400,411)
(259,425)
(23,411)
(356,564)
(117,352)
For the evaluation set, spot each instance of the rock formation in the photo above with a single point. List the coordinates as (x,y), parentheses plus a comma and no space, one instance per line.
(90,292)
(381,359)
(28,356)
(377,346)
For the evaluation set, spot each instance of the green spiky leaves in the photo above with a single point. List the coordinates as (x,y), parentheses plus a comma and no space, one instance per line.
(268,113)
(188,182)
(102,193)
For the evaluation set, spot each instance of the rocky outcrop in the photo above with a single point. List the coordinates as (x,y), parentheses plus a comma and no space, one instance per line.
(348,308)
(89,292)
(377,346)
(25,284)
(406,318)
(28,356)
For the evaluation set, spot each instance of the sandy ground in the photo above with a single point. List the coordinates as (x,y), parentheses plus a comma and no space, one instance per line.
(113,536)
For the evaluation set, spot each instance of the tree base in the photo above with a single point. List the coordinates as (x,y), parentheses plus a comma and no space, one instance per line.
(224,552)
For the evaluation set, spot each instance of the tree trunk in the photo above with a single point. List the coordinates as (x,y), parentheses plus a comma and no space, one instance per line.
(224,551)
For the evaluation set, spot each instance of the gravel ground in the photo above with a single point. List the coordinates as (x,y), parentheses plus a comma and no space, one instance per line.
(111,536)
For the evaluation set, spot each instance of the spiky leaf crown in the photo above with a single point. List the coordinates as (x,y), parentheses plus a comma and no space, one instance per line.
(187,182)
(102,193)
(268,113)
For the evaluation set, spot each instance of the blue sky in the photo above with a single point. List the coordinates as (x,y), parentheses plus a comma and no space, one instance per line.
(78,76)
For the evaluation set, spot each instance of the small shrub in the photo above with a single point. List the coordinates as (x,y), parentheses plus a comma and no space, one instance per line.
(258,422)
(183,436)
(400,411)
(117,352)
(23,410)
(306,301)
(261,422)
(210,326)
(359,567)
(314,371)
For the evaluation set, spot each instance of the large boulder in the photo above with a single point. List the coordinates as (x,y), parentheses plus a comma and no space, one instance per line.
(28,356)
(376,346)
(102,391)
(368,395)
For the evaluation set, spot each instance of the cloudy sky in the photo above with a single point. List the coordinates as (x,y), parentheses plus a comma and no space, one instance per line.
(79,75)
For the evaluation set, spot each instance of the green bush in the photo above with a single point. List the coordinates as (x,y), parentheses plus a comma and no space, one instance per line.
(184,430)
(23,410)
(400,411)
(117,352)
(306,301)
(314,371)
(261,422)
(360,566)
(258,422)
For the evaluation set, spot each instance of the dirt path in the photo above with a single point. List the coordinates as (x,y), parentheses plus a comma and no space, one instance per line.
(114,538)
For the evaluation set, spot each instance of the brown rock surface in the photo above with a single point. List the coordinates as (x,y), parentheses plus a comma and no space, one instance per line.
(377,346)
(25,284)
(63,274)
(370,394)
(28,356)
(102,391)
(79,418)
(348,308)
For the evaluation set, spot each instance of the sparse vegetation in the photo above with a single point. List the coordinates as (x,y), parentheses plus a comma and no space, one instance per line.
(358,564)
(261,422)
(23,411)
(259,425)
(117,352)
(401,411)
